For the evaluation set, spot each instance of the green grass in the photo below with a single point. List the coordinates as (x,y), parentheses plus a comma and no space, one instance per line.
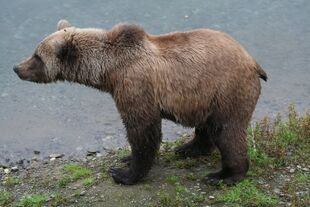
(172,179)
(89,181)
(64,180)
(5,198)
(75,172)
(37,200)
(11,181)
(246,193)
(273,141)
(59,200)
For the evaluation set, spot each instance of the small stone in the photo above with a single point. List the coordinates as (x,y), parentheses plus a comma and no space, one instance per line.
(56,155)
(98,155)
(305,169)
(52,159)
(292,170)
(277,190)
(34,159)
(36,152)
(82,193)
(6,171)
(211,197)
(298,166)
(14,169)
(186,16)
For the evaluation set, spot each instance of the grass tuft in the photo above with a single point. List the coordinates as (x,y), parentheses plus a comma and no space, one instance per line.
(5,198)
(246,193)
(33,201)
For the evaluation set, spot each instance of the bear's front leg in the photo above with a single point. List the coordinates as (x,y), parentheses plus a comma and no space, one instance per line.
(144,141)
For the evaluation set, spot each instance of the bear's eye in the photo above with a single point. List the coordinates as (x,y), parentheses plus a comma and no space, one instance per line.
(37,57)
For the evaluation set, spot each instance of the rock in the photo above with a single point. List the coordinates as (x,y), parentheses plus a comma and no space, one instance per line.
(186,16)
(91,152)
(52,159)
(56,155)
(292,170)
(98,155)
(36,152)
(34,159)
(6,170)
(82,193)
(277,190)
(305,169)
(14,169)
(211,197)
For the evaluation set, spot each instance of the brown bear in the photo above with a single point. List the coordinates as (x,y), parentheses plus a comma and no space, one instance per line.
(200,78)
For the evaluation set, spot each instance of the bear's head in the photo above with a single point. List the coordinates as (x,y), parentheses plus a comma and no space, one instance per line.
(51,58)
(84,56)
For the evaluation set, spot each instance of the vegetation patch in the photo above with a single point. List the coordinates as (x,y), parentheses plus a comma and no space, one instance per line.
(74,172)
(5,198)
(246,193)
(37,200)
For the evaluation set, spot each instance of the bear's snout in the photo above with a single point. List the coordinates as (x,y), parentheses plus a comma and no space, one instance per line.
(16,69)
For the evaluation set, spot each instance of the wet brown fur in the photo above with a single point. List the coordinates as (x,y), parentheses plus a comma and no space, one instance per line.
(201,78)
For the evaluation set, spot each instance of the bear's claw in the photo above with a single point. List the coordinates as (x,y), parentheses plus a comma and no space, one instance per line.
(126,159)
(218,177)
(123,176)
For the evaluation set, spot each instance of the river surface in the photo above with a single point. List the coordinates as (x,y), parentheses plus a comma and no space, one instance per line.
(71,119)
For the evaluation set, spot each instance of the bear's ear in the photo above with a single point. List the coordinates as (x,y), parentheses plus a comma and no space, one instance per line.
(62,24)
(64,49)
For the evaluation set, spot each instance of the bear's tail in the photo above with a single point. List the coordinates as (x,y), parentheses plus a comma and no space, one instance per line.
(262,74)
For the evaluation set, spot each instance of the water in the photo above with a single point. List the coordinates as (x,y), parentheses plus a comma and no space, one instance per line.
(69,118)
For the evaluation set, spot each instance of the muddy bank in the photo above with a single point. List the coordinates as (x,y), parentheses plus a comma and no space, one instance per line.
(279,175)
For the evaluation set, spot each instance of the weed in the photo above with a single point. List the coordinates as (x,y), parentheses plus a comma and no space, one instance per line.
(76,172)
(59,200)
(172,179)
(81,173)
(5,198)
(64,180)
(247,194)
(11,181)
(180,189)
(165,199)
(33,201)
(89,181)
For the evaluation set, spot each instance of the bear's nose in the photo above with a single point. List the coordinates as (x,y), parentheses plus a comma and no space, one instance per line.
(15,68)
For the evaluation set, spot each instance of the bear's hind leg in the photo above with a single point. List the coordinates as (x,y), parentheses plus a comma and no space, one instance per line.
(232,144)
(201,144)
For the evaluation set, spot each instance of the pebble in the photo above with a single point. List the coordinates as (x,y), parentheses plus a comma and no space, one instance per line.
(6,171)
(211,197)
(36,152)
(14,169)
(186,16)
(56,155)
(292,170)
(305,169)
(34,159)
(277,190)
(82,193)
(52,159)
